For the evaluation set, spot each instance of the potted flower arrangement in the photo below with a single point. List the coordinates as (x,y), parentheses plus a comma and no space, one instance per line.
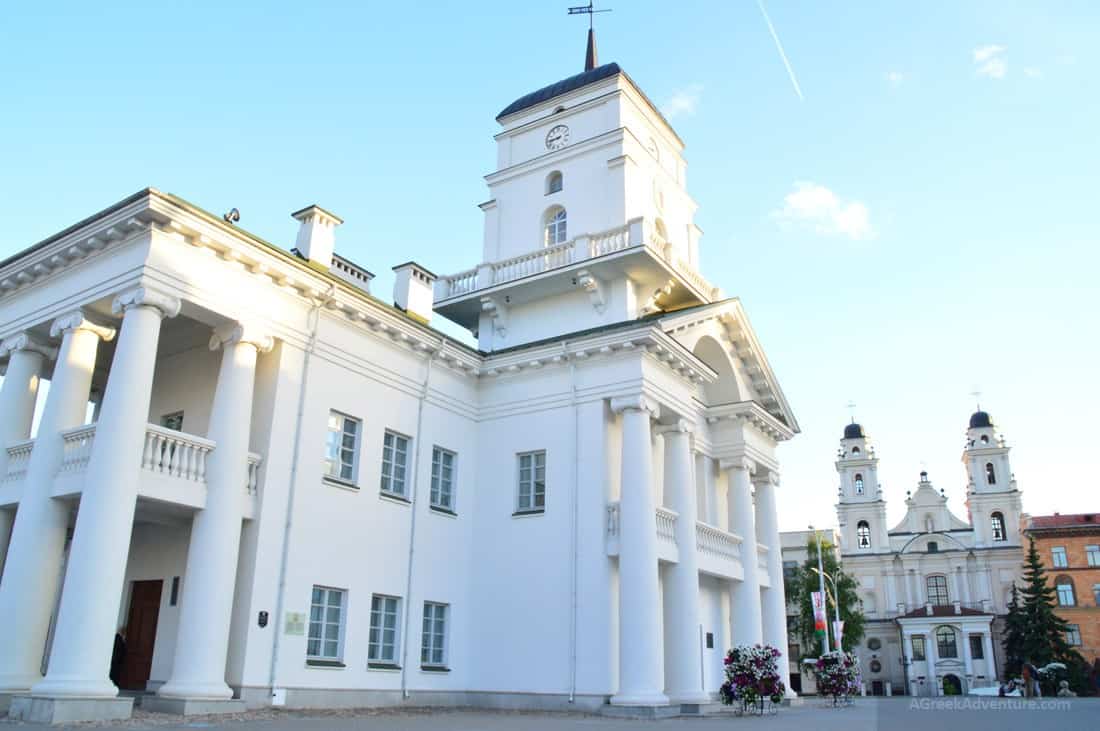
(752,678)
(838,674)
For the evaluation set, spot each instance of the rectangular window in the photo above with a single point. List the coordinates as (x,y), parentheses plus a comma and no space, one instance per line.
(173,421)
(1073,635)
(977,649)
(1096,594)
(532,483)
(1092,555)
(1065,594)
(382,646)
(395,459)
(918,647)
(937,590)
(342,447)
(443,479)
(326,624)
(433,643)
(1058,554)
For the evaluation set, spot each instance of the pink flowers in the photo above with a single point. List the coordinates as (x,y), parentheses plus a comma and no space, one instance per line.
(752,674)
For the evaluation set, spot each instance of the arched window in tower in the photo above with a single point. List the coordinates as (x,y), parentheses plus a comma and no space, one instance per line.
(985,439)
(936,586)
(859,484)
(1066,595)
(997,522)
(555,226)
(553,183)
(946,646)
(863,534)
(855,450)
(990,475)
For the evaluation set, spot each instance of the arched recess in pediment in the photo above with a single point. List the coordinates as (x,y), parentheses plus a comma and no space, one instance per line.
(724,390)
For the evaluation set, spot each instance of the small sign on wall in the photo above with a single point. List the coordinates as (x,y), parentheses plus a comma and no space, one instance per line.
(295,623)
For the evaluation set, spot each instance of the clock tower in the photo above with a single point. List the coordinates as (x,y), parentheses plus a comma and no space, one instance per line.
(588,219)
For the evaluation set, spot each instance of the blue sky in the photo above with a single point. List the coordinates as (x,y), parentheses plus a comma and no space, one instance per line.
(920,224)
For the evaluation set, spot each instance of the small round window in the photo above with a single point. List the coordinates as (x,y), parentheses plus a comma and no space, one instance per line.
(876,666)
(874,643)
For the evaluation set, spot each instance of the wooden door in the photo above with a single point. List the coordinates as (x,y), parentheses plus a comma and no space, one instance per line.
(141,632)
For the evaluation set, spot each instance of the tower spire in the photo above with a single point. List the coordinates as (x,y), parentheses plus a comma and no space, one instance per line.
(590,60)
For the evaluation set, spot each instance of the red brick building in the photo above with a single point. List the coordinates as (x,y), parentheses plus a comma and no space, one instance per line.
(1069,546)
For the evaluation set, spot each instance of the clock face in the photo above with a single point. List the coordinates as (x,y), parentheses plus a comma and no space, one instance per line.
(557,137)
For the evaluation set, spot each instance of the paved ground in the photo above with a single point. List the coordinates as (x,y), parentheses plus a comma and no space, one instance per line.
(873,714)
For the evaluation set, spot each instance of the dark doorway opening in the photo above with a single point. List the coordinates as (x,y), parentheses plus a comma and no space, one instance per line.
(952,685)
(141,633)
(877,688)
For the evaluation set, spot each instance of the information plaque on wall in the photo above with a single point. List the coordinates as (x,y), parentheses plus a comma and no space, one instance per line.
(295,623)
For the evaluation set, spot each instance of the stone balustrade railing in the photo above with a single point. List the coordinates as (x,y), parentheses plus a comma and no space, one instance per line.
(717,542)
(666,525)
(585,246)
(76,448)
(19,456)
(175,454)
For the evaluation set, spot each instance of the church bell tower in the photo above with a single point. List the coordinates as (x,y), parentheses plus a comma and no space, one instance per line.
(991,493)
(861,510)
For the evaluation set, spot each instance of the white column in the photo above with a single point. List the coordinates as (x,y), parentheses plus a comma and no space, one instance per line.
(202,643)
(640,636)
(957,596)
(684,669)
(890,580)
(907,655)
(965,577)
(990,661)
(745,618)
(774,598)
(968,662)
(32,575)
(18,395)
(704,487)
(907,575)
(88,616)
(930,654)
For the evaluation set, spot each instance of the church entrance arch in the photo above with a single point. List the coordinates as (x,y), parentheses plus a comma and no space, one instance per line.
(952,685)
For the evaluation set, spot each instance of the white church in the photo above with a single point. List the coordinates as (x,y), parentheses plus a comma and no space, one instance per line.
(282,488)
(934,588)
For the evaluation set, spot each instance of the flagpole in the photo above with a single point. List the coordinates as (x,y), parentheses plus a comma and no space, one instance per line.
(821,588)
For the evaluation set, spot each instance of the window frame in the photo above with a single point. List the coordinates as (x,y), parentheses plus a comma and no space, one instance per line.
(387,480)
(997,525)
(990,474)
(858,482)
(554,177)
(338,460)
(322,658)
(428,635)
(435,491)
(940,590)
(376,647)
(977,647)
(1092,555)
(1071,589)
(556,222)
(917,648)
(863,534)
(1073,635)
(532,508)
(1059,559)
(941,633)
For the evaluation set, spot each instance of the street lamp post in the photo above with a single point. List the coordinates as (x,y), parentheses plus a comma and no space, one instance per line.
(821,588)
(836,604)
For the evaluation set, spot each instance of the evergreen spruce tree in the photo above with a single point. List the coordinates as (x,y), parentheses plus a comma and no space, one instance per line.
(1015,626)
(803,581)
(1041,634)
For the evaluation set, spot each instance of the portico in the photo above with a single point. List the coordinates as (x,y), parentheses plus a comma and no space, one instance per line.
(77,489)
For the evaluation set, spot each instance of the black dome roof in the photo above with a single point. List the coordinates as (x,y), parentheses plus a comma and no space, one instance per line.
(853,431)
(980,419)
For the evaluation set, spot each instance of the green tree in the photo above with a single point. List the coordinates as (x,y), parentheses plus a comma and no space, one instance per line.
(1015,628)
(1038,635)
(803,581)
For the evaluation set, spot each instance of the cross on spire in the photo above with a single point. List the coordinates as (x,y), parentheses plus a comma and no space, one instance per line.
(852,410)
(590,60)
(977,397)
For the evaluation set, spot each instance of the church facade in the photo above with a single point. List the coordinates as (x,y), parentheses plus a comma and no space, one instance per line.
(277,488)
(934,588)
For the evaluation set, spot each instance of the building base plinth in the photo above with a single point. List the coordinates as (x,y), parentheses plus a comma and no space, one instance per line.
(192,706)
(641,712)
(40,709)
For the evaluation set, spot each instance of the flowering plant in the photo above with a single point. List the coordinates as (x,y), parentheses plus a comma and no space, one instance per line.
(838,674)
(752,674)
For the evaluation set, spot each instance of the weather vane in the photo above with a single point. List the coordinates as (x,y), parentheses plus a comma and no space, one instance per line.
(589,11)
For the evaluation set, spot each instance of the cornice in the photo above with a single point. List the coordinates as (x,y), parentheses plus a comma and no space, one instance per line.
(750,412)
(592,143)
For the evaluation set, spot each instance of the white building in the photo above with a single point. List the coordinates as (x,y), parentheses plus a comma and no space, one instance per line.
(291,492)
(934,588)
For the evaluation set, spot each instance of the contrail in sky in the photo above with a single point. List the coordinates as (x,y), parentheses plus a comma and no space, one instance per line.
(779,47)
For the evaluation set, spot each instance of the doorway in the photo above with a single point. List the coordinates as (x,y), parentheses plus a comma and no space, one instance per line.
(877,688)
(952,685)
(141,633)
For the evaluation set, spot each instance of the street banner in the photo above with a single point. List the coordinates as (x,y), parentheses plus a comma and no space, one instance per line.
(838,632)
(819,613)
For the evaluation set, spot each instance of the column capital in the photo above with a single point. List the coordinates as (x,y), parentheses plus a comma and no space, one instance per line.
(770,477)
(77,320)
(26,341)
(143,296)
(636,402)
(737,464)
(680,427)
(239,332)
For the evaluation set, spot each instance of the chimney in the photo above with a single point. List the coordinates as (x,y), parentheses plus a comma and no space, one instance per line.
(317,234)
(413,290)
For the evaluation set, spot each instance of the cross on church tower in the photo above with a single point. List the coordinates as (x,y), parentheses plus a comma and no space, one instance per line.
(590,53)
